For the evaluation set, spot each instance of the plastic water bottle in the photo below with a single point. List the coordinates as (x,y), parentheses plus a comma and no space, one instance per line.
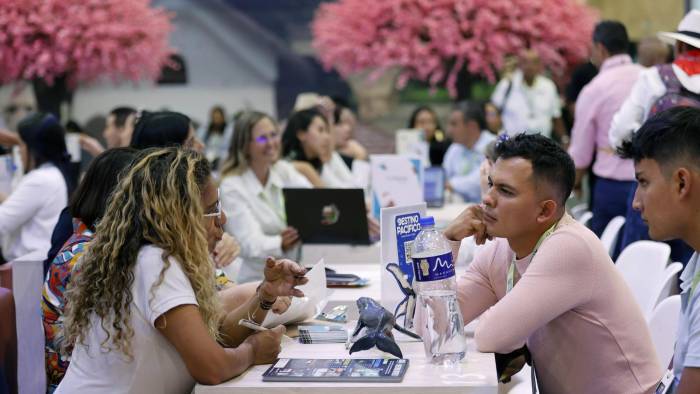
(434,282)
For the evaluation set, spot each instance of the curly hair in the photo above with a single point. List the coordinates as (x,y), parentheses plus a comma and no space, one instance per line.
(157,202)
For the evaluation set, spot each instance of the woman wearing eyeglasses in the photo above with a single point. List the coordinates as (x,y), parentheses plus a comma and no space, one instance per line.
(251,190)
(142,314)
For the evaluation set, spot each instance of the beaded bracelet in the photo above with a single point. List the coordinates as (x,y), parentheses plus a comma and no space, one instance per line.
(264,305)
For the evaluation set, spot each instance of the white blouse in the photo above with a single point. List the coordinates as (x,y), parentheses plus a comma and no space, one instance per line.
(336,174)
(156,366)
(29,214)
(256,215)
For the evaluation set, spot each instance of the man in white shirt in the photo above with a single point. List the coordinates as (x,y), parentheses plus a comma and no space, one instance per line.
(529,101)
(650,87)
(463,158)
(650,95)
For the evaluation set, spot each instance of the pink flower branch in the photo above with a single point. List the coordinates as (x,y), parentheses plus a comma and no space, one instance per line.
(433,40)
(82,40)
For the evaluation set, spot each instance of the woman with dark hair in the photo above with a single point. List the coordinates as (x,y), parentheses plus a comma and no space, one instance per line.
(87,206)
(29,214)
(216,136)
(308,144)
(162,129)
(425,118)
(492,115)
(343,129)
(151,129)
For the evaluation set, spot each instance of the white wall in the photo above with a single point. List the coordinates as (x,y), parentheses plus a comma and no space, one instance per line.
(226,65)
(192,101)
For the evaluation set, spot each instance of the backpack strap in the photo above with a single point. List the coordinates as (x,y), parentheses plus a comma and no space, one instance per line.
(669,78)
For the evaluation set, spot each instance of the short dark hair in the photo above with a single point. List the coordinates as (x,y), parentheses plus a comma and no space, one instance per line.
(91,197)
(612,35)
(550,163)
(160,129)
(121,114)
(472,110)
(666,137)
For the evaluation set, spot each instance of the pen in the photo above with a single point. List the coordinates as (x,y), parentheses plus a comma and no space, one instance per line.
(256,327)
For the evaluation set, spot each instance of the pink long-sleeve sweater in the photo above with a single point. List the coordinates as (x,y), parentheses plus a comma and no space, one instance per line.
(570,305)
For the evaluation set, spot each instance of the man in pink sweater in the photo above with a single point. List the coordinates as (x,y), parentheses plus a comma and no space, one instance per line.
(546,280)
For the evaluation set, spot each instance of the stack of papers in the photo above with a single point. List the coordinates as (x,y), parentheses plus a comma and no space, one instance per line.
(322,334)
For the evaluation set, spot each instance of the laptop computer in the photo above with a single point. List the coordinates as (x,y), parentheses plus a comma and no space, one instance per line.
(328,216)
(434,186)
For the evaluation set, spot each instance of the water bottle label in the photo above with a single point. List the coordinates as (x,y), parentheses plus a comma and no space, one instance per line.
(434,267)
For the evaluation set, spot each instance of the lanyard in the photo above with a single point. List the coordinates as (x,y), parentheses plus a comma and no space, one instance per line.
(511,269)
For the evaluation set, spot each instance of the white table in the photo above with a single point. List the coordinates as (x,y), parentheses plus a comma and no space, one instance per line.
(340,254)
(475,374)
(368,271)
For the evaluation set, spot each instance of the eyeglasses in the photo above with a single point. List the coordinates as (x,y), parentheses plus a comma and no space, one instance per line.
(13,108)
(217,213)
(265,138)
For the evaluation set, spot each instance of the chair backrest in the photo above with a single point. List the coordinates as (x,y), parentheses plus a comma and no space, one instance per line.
(663,326)
(642,265)
(8,342)
(27,281)
(609,236)
(667,284)
(579,209)
(585,218)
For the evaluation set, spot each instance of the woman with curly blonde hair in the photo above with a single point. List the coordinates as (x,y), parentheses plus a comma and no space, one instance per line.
(142,312)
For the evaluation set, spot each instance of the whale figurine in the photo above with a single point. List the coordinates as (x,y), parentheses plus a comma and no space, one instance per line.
(379,323)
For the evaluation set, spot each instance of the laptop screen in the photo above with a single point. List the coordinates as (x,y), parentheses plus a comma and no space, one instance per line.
(434,186)
(327,216)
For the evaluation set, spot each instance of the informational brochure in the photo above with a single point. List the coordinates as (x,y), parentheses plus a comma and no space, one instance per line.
(376,370)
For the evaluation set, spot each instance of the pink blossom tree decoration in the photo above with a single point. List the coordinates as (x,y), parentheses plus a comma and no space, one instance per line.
(66,42)
(433,40)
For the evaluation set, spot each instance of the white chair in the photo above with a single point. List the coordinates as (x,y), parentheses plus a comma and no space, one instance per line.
(642,265)
(27,282)
(578,210)
(585,218)
(663,326)
(668,283)
(609,236)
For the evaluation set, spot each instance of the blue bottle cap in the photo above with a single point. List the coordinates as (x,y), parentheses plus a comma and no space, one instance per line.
(426,221)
